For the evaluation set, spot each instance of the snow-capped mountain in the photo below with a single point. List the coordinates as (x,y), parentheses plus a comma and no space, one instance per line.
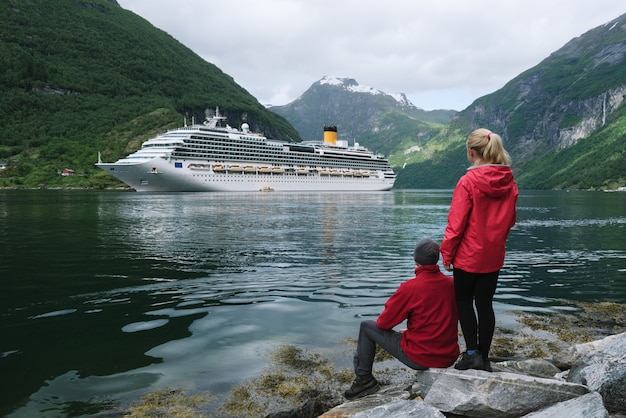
(371,117)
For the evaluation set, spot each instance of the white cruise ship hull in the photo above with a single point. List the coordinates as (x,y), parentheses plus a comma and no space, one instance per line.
(160,175)
(214,158)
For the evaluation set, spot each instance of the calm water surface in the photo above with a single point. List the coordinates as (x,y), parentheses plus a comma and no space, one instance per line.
(107,295)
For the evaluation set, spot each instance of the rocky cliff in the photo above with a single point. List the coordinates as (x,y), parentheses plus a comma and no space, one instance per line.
(566,98)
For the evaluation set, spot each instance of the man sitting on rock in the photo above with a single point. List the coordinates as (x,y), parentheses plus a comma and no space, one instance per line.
(427,303)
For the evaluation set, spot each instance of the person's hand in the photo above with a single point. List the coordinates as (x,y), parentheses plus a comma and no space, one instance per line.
(402,331)
(447,266)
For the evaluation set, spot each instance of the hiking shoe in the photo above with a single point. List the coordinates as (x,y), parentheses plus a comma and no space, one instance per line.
(361,387)
(487,365)
(473,361)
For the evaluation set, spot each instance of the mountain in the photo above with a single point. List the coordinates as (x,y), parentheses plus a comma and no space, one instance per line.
(563,121)
(383,122)
(78,77)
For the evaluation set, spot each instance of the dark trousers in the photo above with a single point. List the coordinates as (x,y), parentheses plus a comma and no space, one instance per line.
(477,288)
(389,340)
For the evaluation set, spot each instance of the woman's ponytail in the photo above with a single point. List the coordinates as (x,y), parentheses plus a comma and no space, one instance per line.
(489,145)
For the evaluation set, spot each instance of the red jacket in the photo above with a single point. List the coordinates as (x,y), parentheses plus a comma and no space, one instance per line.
(481,215)
(427,303)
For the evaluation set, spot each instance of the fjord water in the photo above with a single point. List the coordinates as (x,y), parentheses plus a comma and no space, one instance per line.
(107,295)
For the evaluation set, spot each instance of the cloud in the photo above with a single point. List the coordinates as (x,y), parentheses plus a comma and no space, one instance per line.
(441,54)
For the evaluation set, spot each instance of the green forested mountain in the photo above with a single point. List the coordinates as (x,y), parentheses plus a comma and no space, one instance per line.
(563,121)
(78,77)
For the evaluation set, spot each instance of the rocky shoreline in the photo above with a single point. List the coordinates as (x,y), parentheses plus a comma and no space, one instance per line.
(589,382)
(571,363)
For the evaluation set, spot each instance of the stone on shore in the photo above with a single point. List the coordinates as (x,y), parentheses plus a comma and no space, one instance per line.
(476,393)
(531,367)
(387,394)
(601,366)
(586,406)
(402,409)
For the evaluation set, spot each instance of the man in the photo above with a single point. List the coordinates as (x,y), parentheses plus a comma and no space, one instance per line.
(427,303)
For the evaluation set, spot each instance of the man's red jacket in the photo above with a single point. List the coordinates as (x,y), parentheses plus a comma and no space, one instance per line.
(428,304)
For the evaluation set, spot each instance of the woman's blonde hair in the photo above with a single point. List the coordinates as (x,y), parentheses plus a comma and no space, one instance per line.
(489,146)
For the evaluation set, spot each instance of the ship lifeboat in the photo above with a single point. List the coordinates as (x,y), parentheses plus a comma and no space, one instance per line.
(249,169)
(277,170)
(235,168)
(219,168)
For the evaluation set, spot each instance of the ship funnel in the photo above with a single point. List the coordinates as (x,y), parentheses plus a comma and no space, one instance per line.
(330,135)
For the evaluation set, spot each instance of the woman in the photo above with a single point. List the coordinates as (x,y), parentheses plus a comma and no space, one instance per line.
(481,215)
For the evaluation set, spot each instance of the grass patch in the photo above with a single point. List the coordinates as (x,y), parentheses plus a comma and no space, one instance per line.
(293,378)
(543,335)
(169,402)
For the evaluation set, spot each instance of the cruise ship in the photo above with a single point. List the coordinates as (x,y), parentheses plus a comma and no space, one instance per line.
(214,157)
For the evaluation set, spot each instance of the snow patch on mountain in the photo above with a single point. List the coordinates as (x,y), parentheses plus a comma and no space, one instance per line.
(352,85)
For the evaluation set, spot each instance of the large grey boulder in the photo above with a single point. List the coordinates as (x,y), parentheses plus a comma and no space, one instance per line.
(476,393)
(601,366)
(401,409)
(586,406)
(387,395)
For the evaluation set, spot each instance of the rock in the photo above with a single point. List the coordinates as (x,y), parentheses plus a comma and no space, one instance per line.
(476,393)
(401,409)
(386,395)
(601,365)
(613,345)
(530,367)
(311,409)
(586,406)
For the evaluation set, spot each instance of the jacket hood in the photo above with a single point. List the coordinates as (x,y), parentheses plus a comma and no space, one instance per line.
(494,180)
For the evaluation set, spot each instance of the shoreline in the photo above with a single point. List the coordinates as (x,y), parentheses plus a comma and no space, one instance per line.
(295,375)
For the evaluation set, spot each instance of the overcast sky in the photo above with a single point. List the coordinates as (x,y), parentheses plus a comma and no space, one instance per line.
(442,54)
